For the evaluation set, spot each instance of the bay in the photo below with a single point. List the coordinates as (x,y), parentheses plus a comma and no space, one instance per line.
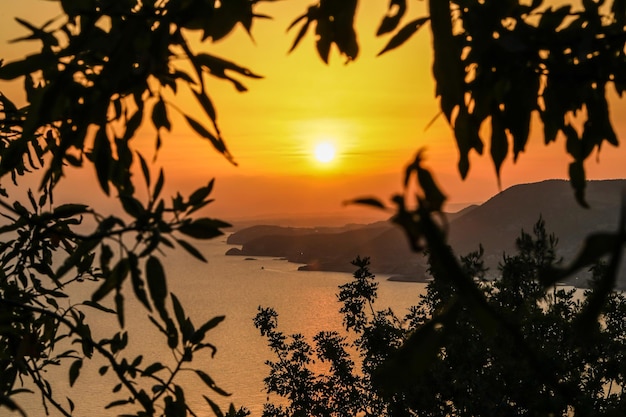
(234,287)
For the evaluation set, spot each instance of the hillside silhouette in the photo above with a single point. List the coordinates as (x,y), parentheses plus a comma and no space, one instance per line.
(494,224)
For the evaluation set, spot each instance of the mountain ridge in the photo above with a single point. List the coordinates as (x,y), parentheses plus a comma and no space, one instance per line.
(495,224)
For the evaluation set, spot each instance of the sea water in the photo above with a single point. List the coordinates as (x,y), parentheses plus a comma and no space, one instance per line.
(232,286)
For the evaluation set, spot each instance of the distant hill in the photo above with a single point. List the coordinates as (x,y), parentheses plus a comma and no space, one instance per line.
(498,222)
(495,224)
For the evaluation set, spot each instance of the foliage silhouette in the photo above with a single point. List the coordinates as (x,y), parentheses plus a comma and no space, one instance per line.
(105,67)
(441,358)
(422,222)
(496,64)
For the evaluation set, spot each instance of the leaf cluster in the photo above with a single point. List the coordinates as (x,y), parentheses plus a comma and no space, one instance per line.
(334,24)
(102,68)
(517,345)
(498,65)
(45,253)
(442,358)
(512,60)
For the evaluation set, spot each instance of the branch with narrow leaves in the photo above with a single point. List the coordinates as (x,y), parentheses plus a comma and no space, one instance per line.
(397,373)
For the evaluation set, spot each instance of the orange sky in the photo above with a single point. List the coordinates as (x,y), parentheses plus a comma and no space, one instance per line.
(374,110)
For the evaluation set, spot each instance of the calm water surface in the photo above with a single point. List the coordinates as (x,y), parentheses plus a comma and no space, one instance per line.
(234,287)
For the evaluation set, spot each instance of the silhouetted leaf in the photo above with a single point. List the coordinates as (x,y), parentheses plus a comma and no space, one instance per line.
(210,383)
(572,141)
(301,32)
(413,167)
(47,38)
(71,404)
(192,250)
(324,34)
(75,370)
(117,403)
(341,19)
(467,138)
(218,144)
(368,201)
(201,193)
(156,283)
(216,408)
(31,199)
(447,66)
(133,124)
(432,193)
(157,325)
(203,228)
(137,361)
(577,179)
(113,280)
(395,12)
(207,105)
(159,116)
(98,306)
(102,158)
(132,206)
(179,312)
(404,34)
(218,66)
(85,247)
(520,103)
(155,367)
(69,210)
(172,333)
(144,169)
(499,143)
(137,282)
(20,209)
(119,306)
(199,334)
(158,187)
(300,18)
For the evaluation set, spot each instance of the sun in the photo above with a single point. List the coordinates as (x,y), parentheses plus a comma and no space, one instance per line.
(324,152)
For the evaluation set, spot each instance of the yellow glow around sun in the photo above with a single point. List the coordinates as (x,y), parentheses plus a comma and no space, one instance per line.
(325,152)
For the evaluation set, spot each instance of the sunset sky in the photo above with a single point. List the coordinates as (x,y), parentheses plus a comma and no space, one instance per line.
(373,111)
